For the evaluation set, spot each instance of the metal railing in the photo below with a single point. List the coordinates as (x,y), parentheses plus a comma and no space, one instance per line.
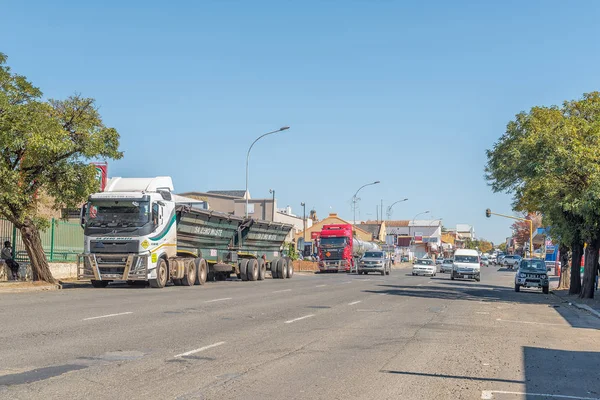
(62,241)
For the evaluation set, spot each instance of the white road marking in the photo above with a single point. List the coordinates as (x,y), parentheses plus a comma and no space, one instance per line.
(298,319)
(482,312)
(344,283)
(528,322)
(420,284)
(108,315)
(320,285)
(223,299)
(354,302)
(187,353)
(489,395)
(383,294)
(281,291)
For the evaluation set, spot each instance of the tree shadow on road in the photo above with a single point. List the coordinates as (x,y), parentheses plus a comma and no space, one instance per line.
(456,290)
(561,372)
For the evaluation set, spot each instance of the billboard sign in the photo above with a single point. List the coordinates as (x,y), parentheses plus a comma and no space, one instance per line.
(418,236)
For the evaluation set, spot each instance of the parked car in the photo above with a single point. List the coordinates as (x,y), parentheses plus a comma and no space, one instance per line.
(531,273)
(466,265)
(446,266)
(511,261)
(485,262)
(374,261)
(424,266)
(439,261)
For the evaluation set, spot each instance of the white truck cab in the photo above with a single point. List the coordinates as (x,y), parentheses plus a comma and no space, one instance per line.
(128,229)
(466,264)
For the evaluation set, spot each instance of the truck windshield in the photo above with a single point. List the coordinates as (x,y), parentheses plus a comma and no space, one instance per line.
(333,241)
(117,213)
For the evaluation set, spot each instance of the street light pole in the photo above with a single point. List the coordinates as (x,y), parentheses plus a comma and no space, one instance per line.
(354,198)
(415,217)
(303,204)
(273,205)
(283,128)
(389,209)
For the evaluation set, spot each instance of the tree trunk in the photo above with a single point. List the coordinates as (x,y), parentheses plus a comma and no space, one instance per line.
(589,269)
(33,244)
(565,272)
(577,252)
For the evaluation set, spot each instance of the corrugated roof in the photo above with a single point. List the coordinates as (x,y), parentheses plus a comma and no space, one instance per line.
(232,193)
(371,228)
(396,224)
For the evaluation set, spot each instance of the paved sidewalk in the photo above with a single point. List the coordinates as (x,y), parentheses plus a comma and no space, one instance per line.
(590,305)
(19,286)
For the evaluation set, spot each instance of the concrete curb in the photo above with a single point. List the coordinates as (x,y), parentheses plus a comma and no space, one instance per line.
(587,308)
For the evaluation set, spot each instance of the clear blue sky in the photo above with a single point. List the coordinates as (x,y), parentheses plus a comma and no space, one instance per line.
(407,93)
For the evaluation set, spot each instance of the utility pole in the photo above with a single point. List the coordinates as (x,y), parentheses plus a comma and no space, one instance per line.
(381,210)
(303,204)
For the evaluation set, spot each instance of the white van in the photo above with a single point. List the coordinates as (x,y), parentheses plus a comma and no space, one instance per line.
(466,265)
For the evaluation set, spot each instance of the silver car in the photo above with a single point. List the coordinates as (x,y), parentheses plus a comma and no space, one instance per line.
(374,261)
(446,266)
(424,266)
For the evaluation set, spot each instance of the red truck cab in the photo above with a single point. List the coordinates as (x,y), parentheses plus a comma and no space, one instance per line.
(335,248)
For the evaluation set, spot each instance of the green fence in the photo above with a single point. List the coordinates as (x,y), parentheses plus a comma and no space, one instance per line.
(62,241)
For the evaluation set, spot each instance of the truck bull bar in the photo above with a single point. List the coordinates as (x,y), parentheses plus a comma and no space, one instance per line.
(105,267)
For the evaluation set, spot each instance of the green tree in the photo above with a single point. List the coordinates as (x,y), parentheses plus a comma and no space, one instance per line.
(548,159)
(502,247)
(45,147)
(485,246)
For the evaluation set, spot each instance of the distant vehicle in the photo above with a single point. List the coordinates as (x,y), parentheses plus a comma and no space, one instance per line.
(466,265)
(339,250)
(532,274)
(404,259)
(485,262)
(493,258)
(424,266)
(500,259)
(374,261)
(439,261)
(446,266)
(511,261)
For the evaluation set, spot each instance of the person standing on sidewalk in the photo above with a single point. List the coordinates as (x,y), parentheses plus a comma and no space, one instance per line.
(7,257)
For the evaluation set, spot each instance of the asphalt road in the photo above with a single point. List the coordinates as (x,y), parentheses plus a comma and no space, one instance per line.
(332,336)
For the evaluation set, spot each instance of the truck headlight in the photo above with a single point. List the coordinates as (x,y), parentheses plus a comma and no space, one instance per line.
(521,275)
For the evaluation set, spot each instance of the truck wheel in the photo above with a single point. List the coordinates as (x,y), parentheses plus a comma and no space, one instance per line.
(290,270)
(177,282)
(161,275)
(281,268)
(190,274)
(262,269)
(252,270)
(99,284)
(452,275)
(517,287)
(201,271)
(274,268)
(389,271)
(243,269)
(545,289)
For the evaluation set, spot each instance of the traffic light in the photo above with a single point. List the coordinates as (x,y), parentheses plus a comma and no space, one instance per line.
(488,212)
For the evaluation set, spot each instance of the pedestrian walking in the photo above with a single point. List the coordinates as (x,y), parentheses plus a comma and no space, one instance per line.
(8,259)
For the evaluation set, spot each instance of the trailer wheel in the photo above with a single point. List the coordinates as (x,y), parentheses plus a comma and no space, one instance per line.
(161,275)
(244,269)
(274,268)
(290,270)
(201,271)
(262,269)
(190,274)
(99,284)
(177,282)
(282,268)
(252,270)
